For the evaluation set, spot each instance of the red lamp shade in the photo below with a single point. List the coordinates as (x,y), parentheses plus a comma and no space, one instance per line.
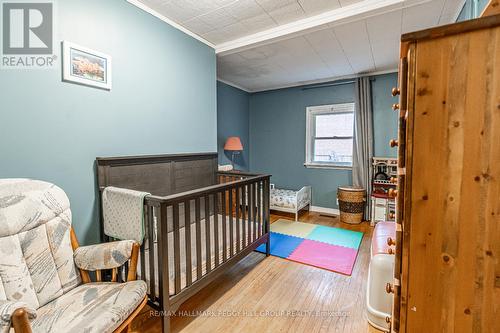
(233,143)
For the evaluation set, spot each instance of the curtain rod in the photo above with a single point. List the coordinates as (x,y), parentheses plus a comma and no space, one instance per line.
(333,84)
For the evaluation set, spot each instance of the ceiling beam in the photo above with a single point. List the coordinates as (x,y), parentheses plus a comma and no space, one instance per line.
(337,16)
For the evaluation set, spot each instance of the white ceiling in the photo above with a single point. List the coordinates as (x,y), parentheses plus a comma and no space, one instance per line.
(268,44)
(220,21)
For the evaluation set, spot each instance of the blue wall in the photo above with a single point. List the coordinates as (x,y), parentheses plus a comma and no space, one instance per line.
(163,101)
(277,134)
(277,139)
(385,120)
(472,9)
(232,120)
(465,13)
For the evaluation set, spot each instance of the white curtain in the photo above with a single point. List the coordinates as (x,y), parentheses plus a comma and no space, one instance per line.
(363,139)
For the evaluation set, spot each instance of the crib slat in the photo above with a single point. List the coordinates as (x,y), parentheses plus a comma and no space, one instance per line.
(250,212)
(142,268)
(114,273)
(199,260)
(231,228)
(266,203)
(224,232)
(264,207)
(238,213)
(216,228)
(266,197)
(177,249)
(163,265)
(259,209)
(244,194)
(256,210)
(208,259)
(151,253)
(187,233)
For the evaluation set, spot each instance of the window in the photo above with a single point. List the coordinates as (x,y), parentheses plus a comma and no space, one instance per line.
(329,135)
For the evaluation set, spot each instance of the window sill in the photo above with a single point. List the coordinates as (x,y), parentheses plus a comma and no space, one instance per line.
(326,166)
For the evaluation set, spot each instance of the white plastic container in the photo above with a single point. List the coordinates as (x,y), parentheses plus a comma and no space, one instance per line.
(378,301)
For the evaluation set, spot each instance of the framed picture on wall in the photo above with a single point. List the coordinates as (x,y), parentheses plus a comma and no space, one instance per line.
(85,66)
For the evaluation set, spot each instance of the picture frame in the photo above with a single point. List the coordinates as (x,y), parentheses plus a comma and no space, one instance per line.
(85,66)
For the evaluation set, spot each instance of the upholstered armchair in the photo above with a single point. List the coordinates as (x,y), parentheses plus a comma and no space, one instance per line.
(45,276)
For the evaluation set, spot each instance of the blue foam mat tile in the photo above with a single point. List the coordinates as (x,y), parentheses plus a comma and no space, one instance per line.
(281,245)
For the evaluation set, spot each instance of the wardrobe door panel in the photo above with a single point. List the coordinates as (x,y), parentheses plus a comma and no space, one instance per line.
(453,279)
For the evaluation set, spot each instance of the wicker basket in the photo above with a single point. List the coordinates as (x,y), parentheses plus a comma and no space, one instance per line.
(352,201)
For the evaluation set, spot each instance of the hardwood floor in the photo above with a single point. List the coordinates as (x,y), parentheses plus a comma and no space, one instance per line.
(259,294)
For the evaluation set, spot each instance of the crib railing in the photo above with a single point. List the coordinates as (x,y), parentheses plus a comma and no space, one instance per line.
(231,176)
(224,221)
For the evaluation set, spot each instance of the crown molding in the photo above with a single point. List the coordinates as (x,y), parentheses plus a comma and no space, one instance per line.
(165,19)
(234,85)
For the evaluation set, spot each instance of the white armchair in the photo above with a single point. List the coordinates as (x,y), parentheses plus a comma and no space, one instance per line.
(45,285)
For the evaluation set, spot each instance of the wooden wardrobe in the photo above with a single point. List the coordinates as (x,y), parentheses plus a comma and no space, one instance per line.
(447,273)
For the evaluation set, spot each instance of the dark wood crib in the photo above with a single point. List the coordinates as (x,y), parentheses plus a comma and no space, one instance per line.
(198,222)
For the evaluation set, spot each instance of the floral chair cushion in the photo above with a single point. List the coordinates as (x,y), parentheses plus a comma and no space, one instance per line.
(91,307)
(35,246)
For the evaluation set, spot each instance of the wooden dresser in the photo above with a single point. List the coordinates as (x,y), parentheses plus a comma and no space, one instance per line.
(447,274)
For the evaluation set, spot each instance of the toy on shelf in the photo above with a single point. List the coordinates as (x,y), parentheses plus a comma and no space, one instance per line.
(385,170)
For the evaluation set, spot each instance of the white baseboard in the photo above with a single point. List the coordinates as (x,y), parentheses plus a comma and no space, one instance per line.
(332,211)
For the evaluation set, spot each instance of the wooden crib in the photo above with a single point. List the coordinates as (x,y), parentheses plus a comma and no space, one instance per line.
(198,222)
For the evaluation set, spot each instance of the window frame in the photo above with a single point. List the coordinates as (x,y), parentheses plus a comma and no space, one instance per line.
(311,113)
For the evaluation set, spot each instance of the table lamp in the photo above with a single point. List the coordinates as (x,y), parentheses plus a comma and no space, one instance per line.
(233,144)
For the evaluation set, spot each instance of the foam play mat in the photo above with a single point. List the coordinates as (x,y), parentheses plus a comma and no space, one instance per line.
(330,248)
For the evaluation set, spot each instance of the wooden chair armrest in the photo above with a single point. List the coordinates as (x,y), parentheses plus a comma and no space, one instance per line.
(74,244)
(20,321)
(134,257)
(132,271)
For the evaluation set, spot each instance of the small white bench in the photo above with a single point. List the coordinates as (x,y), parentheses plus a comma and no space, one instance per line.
(291,201)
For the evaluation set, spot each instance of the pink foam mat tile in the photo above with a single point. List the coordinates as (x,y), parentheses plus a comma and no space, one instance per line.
(331,257)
